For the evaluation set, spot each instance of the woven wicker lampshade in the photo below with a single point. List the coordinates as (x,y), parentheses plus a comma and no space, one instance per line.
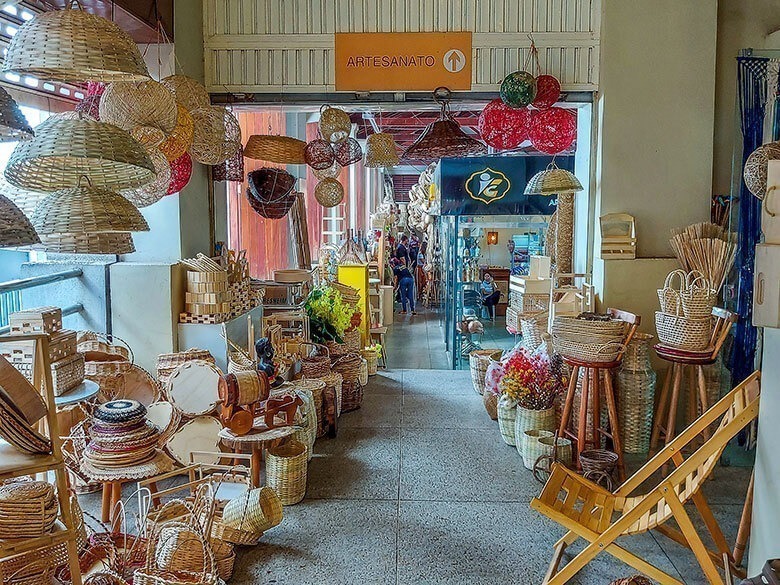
(334,124)
(347,152)
(87,209)
(24,199)
(74,45)
(271,192)
(553,180)
(230,170)
(381,151)
(755,169)
(188,92)
(142,103)
(217,135)
(155,190)
(15,228)
(276,149)
(89,243)
(331,172)
(319,154)
(13,124)
(65,150)
(149,136)
(329,192)
(178,141)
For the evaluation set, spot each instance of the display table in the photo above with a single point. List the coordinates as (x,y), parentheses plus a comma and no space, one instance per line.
(81,393)
(257,442)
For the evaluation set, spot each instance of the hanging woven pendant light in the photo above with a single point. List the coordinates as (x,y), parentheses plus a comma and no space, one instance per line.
(230,170)
(13,124)
(553,130)
(24,199)
(181,172)
(444,137)
(755,171)
(216,137)
(188,92)
(329,192)
(381,151)
(65,150)
(142,103)
(89,243)
(335,124)
(319,154)
(347,152)
(276,149)
(178,141)
(155,190)
(73,45)
(553,180)
(331,172)
(89,106)
(87,209)
(15,228)
(503,127)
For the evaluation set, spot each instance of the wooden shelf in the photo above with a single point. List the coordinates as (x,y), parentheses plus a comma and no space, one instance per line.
(12,547)
(14,463)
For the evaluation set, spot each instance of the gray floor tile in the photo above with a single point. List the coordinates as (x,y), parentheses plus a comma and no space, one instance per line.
(386,382)
(462,465)
(325,541)
(359,463)
(438,382)
(446,411)
(378,411)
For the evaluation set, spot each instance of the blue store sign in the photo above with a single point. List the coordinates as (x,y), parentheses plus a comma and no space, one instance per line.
(494,185)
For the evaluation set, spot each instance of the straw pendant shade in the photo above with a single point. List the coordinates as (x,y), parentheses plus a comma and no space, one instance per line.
(89,243)
(276,149)
(143,103)
(217,135)
(553,180)
(181,172)
(178,141)
(230,170)
(348,152)
(90,106)
(329,192)
(24,199)
(13,124)
(189,93)
(335,124)
(15,228)
(73,45)
(155,190)
(319,154)
(331,172)
(65,150)
(381,151)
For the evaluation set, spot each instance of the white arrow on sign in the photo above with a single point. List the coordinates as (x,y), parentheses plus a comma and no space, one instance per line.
(454,60)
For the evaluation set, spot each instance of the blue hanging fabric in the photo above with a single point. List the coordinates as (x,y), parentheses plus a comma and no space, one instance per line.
(752,86)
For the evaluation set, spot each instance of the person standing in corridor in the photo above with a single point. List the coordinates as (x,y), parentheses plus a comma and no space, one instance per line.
(405,284)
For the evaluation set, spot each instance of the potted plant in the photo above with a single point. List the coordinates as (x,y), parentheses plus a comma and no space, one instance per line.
(329,315)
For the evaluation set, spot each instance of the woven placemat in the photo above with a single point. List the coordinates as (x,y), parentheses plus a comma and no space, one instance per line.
(160,464)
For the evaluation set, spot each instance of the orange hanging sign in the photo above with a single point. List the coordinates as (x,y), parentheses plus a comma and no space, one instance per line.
(403,61)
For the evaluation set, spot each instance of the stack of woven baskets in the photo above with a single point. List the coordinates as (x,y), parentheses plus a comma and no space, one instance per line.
(121,436)
(107,360)
(685,319)
(588,338)
(27,509)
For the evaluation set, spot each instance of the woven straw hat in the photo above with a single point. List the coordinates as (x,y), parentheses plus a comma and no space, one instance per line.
(87,209)
(142,103)
(74,45)
(381,151)
(217,135)
(553,180)
(13,124)
(156,189)
(189,93)
(329,192)
(89,243)
(15,228)
(277,149)
(65,150)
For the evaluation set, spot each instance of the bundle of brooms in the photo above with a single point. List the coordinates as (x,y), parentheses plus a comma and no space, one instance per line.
(706,247)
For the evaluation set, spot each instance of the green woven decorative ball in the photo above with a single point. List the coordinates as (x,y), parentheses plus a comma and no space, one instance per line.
(518,89)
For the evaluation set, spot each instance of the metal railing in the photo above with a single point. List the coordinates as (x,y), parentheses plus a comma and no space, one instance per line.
(11,298)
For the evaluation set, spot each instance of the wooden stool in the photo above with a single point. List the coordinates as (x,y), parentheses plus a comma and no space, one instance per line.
(112,495)
(664,423)
(591,389)
(378,336)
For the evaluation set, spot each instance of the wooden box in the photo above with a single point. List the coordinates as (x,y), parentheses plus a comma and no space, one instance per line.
(539,267)
(618,236)
(67,373)
(38,320)
(526,285)
(62,344)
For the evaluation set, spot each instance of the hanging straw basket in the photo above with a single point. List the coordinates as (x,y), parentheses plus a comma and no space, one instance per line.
(73,46)
(217,135)
(381,151)
(319,155)
(189,93)
(276,149)
(63,151)
(348,152)
(271,192)
(683,333)
(155,190)
(479,360)
(335,124)
(285,469)
(90,243)
(142,103)
(180,139)
(329,192)
(13,124)
(15,228)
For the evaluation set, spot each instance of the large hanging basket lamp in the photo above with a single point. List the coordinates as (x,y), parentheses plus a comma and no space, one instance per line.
(155,190)
(553,180)
(444,137)
(15,228)
(216,137)
(13,124)
(178,141)
(381,151)
(276,149)
(329,192)
(270,192)
(89,243)
(87,209)
(188,92)
(755,171)
(73,45)
(64,150)
(143,103)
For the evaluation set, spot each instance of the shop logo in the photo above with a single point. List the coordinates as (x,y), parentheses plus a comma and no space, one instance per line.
(488,185)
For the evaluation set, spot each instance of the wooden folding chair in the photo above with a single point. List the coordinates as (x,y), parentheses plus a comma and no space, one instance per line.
(587,510)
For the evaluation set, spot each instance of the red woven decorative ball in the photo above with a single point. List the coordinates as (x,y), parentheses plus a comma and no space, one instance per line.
(95,88)
(503,127)
(90,106)
(548,90)
(181,171)
(553,130)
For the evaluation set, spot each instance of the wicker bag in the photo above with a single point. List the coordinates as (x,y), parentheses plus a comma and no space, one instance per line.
(530,447)
(276,149)
(507,413)
(668,296)
(154,574)
(527,420)
(286,467)
(533,326)
(698,298)
(490,400)
(683,333)
(479,360)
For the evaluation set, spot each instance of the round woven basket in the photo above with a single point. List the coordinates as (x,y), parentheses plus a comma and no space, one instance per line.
(155,190)
(317,365)
(89,243)
(351,395)
(168,362)
(329,192)
(683,333)
(224,558)
(335,124)
(217,135)
(63,151)
(256,510)
(348,366)
(142,103)
(755,169)
(332,172)
(285,469)
(85,209)
(15,228)
(276,149)
(189,93)
(13,124)
(319,155)
(479,360)
(270,192)
(347,152)
(530,448)
(180,139)
(598,465)
(532,420)
(564,450)
(381,151)
(372,360)
(74,45)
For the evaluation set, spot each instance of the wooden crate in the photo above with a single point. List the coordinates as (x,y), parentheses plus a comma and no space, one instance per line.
(294,324)
(38,320)
(203,319)
(67,373)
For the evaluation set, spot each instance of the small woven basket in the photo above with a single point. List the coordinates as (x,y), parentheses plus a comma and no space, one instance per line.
(319,155)
(506,420)
(533,326)
(532,420)
(317,365)
(479,360)
(352,341)
(698,299)
(564,451)
(335,124)
(255,511)
(372,361)
(598,465)
(348,152)
(669,296)
(530,448)
(682,333)
(271,192)
(286,468)
(490,400)
(348,366)
(329,192)
(276,149)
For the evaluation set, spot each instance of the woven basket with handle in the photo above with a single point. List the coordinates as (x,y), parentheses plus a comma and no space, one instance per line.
(479,360)
(683,333)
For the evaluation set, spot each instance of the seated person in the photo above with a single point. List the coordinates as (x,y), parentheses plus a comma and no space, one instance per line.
(490,293)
